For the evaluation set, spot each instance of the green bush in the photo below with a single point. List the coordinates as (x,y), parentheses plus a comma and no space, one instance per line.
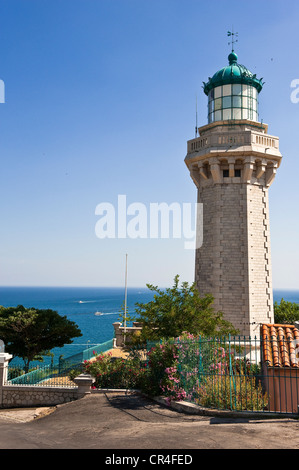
(115,372)
(185,368)
(286,312)
(156,376)
(177,309)
(162,374)
(238,393)
(73,373)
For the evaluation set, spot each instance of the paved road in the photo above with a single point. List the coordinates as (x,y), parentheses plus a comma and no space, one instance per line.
(128,421)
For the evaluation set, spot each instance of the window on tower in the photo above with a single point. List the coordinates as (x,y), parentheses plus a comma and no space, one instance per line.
(237,173)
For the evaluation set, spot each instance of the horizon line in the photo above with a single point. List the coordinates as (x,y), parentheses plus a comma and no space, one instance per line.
(112,287)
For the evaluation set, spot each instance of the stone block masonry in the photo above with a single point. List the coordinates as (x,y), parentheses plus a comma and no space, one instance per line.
(221,262)
(16,396)
(234,262)
(259,256)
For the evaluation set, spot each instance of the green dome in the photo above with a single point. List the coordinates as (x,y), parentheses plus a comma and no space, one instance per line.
(233,73)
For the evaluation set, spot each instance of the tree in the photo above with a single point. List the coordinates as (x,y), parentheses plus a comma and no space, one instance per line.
(286,312)
(31,333)
(178,309)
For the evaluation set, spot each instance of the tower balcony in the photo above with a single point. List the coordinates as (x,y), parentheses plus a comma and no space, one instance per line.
(232,152)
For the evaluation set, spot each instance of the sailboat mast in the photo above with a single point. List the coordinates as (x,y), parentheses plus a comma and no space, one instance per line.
(126,280)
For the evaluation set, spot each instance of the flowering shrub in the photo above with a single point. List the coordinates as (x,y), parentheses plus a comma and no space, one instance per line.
(207,373)
(163,372)
(160,357)
(170,385)
(188,356)
(203,371)
(158,375)
(221,380)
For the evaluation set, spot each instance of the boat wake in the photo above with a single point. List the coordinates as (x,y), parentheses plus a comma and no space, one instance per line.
(106,313)
(111,313)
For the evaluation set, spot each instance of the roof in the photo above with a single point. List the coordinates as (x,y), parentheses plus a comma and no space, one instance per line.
(233,73)
(280,345)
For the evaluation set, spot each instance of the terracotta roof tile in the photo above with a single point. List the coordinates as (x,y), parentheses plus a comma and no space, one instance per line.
(280,345)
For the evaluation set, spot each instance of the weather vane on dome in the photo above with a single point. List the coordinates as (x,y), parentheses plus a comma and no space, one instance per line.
(233,36)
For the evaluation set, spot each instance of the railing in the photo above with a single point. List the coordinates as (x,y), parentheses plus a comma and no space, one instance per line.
(265,140)
(220,373)
(197,144)
(230,139)
(54,374)
(48,375)
(226,374)
(85,355)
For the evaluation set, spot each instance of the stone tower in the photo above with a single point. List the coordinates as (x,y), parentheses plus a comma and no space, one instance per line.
(233,162)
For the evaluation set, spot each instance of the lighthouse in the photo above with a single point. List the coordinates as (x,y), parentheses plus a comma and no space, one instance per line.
(233,161)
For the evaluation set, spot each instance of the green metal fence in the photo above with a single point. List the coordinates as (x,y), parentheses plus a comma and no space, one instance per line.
(54,374)
(221,373)
(47,375)
(227,374)
(85,355)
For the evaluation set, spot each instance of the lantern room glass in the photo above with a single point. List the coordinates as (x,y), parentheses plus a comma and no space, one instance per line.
(233,101)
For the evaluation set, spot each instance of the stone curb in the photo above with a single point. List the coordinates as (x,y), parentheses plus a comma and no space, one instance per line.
(191,408)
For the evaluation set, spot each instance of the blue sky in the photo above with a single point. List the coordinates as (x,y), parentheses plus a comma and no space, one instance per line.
(100,102)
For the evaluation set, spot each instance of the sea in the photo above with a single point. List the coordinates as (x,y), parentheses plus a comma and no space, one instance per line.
(80,304)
